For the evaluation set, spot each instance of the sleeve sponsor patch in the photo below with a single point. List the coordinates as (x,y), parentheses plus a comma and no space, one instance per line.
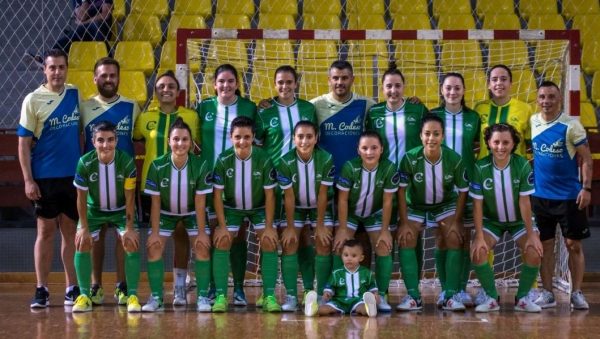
(208,179)
(151,184)
(396,178)
(79,178)
(331,173)
(273,174)
(283,180)
(404,177)
(475,186)
(344,182)
(216,178)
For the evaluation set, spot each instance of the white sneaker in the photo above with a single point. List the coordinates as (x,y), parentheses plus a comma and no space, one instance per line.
(154,304)
(290,305)
(370,304)
(578,301)
(465,298)
(480,297)
(179,296)
(409,304)
(453,304)
(441,299)
(310,304)
(383,305)
(526,305)
(203,305)
(489,305)
(545,299)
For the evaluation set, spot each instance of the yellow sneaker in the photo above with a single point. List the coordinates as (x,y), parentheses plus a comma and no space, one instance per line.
(271,305)
(133,304)
(83,303)
(221,304)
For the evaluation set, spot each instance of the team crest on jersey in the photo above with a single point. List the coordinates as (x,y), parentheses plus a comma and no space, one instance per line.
(229,173)
(208,179)
(331,173)
(418,177)
(379,123)
(274,122)
(164,182)
(487,184)
(210,116)
(342,282)
(396,178)
(272,174)
(465,176)
(530,178)
(94,177)
(356,185)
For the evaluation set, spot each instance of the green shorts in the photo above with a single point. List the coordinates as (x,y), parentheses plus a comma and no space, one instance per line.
(169,222)
(97,219)
(234,218)
(345,305)
(371,223)
(432,217)
(497,229)
(307,216)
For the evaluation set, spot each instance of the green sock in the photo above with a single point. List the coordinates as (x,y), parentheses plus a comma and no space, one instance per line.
(485,274)
(269,272)
(289,271)
(337,262)
(306,265)
(410,275)
(466,270)
(83,268)
(132,272)
(156,277)
(440,266)
(202,269)
(528,276)
(220,270)
(322,271)
(383,272)
(453,272)
(238,256)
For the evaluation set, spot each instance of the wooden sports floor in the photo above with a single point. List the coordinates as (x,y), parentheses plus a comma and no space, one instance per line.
(17,320)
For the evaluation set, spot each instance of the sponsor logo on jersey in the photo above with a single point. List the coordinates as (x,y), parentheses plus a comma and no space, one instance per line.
(124,125)
(404,176)
(164,182)
(78,178)
(554,150)
(343,128)
(49,102)
(343,181)
(65,121)
(151,125)
(151,184)
(120,177)
(94,177)
(411,119)
(229,173)
(283,180)
(487,184)
(274,122)
(379,123)
(418,177)
(210,116)
(448,177)
(475,186)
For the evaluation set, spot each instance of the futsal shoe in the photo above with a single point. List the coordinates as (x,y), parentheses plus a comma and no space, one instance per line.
(203,305)
(154,304)
(489,305)
(72,295)
(121,294)
(370,304)
(384,306)
(453,304)
(239,298)
(220,304)
(408,303)
(133,304)
(578,301)
(97,295)
(545,299)
(83,303)
(179,296)
(310,304)
(290,305)
(270,304)
(465,298)
(526,305)
(41,298)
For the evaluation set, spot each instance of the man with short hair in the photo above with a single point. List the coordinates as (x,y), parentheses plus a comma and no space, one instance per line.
(558,140)
(49,149)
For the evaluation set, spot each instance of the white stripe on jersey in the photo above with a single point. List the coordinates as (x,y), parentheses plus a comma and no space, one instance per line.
(306,184)
(108,186)
(454,131)
(352,284)
(225,114)
(288,117)
(395,134)
(434,189)
(364,205)
(505,205)
(178,190)
(243,183)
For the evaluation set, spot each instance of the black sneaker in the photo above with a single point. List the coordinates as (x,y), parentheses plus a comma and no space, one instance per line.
(36,59)
(72,295)
(41,298)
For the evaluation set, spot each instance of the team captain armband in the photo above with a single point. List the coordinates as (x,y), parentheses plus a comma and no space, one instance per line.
(129,183)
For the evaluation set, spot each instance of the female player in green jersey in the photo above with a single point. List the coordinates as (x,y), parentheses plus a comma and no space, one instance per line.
(178,182)
(430,176)
(305,174)
(216,114)
(501,186)
(461,134)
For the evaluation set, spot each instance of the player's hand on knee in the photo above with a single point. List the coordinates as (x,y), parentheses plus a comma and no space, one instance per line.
(405,236)
(131,240)
(288,236)
(202,241)
(83,240)
(340,238)
(153,240)
(533,243)
(269,237)
(323,235)
(479,249)
(385,240)
(222,237)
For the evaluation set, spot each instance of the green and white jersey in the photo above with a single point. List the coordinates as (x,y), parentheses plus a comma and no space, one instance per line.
(398,129)
(500,188)
(305,178)
(431,185)
(275,126)
(215,124)
(244,181)
(461,130)
(178,187)
(105,183)
(345,284)
(366,187)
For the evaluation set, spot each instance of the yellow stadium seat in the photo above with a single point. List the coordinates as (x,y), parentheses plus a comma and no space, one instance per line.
(324,21)
(596,89)
(244,7)
(494,7)
(369,21)
(458,21)
(398,7)
(193,7)
(322,7)
(530,7)
(590,57)
(227,51)
(183,21)
(276,21)
(588,25)
(118,10)
(160,8)
(583,94)
(415,54)
(412,21)
(424,85)
(571,8)
(475,86)
(135,56)
(84,80)
(523,85)
(133,85)
(313,84)
(262,86)
(267,52)
(512,53)
(365,7)
(84,54)
(545,21)
(231,21)
(139,27)
(501,21)
(316,55)
(289,7)
(168,61)
(441,7)
(460,55)
(587,117)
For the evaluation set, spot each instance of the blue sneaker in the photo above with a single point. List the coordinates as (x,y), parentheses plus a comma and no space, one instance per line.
(41,298)
(239,298)
(72,295)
